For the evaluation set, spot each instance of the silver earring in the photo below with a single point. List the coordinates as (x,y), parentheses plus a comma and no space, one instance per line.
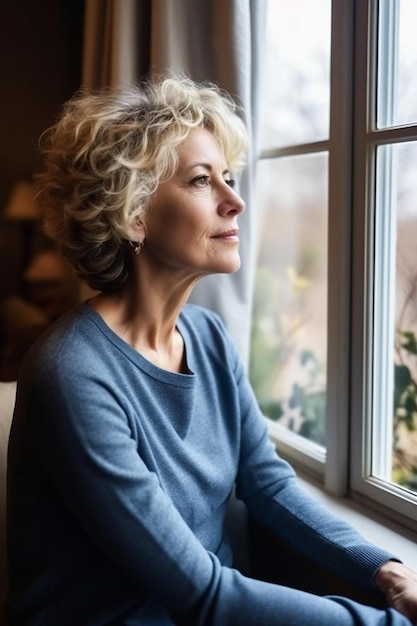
(137,246)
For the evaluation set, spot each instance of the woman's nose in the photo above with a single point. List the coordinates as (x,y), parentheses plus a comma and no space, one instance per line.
(231,202)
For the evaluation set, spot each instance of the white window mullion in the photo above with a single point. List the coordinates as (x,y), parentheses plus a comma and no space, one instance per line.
(388,34)
(379,463)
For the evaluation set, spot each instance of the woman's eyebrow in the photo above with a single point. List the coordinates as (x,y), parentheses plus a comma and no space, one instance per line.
(207,166)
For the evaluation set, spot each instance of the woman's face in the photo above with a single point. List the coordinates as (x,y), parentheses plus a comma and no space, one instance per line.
(191,225)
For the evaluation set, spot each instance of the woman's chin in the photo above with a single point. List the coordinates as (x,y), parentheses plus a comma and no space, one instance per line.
(230,266)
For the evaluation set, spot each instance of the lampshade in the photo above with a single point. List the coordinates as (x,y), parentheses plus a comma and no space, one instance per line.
(22,204)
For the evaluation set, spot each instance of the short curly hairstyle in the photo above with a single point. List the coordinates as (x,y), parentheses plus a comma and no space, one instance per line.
(106,155)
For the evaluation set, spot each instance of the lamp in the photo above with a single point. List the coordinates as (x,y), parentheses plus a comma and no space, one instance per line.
(22,204)
(23,214)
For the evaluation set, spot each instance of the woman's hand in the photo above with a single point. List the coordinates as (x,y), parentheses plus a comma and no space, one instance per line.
(398,583)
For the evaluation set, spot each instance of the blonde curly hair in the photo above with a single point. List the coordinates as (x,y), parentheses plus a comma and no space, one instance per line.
(106,156)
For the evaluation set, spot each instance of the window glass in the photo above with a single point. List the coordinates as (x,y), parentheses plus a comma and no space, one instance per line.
(405,351)
(395,450)
(289,323)
(296,93)
(397,55)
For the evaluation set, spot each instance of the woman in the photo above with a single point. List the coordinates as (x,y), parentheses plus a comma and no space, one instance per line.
(134,418)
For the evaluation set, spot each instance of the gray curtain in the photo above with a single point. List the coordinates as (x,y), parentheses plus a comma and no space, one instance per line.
(215,40)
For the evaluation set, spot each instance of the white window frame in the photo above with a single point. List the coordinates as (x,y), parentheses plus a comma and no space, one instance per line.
(353,277)
(372,276)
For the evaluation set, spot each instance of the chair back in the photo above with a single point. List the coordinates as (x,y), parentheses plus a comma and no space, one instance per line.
(7,400)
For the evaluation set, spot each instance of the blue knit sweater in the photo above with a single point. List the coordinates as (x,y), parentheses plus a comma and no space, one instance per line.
(119,476)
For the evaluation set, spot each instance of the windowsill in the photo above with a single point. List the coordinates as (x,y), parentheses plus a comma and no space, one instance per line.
(374,527)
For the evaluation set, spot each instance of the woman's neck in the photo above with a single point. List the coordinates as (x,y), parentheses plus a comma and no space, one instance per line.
(146,321)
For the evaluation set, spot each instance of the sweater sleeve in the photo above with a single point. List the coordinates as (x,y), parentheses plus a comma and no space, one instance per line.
(271,491)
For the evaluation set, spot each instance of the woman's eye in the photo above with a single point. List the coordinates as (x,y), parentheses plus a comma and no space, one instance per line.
(204,181)
(200,181)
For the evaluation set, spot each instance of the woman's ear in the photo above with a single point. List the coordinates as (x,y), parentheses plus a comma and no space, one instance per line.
(137,232)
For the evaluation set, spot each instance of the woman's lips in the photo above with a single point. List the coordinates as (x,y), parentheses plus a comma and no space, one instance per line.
(228,235)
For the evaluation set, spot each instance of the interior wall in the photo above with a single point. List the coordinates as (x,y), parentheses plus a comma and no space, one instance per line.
(40,68)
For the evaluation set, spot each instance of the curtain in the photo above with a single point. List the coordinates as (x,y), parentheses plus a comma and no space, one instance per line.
(215,40)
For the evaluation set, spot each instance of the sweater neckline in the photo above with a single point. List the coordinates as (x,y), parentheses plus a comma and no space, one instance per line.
(178,378)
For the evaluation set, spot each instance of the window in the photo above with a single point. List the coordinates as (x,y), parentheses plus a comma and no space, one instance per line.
(384,400)
(289,331)
(334,335)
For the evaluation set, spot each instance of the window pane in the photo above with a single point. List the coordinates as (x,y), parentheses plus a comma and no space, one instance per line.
(289,337)
(395,450)
(296,92)
(397,62)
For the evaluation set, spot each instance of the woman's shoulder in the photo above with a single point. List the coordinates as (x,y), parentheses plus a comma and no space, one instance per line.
(206,329)
(65,339)
(205,323)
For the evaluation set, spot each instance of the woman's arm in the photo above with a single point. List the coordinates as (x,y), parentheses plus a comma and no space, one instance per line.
(272,493)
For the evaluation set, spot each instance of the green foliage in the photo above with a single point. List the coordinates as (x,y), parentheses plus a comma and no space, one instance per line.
(266,339)
(272,344)
(405,405)
(274,410)
(311,403)
(404,396)
(306,401)
(410,341)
